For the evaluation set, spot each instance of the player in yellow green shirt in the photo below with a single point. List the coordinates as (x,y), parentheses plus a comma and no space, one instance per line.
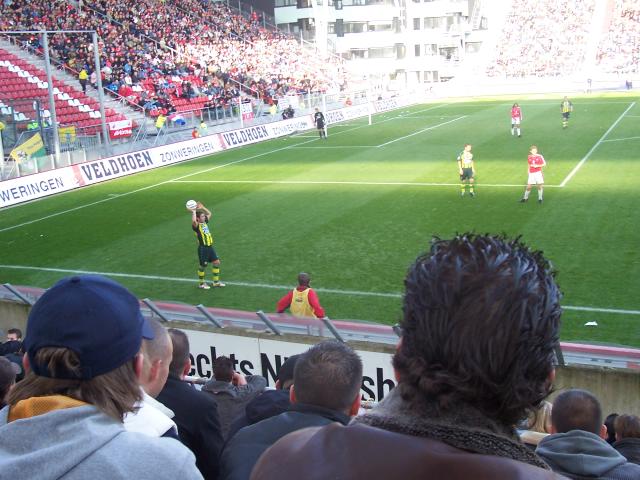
(566,107)
(467,170)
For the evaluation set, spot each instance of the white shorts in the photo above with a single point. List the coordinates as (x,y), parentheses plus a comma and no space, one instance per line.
(515,121)
(535,178)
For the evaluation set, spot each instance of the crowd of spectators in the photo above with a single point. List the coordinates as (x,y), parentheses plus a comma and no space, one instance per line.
(543,38)
(168,56)
(619,50)
(106,395)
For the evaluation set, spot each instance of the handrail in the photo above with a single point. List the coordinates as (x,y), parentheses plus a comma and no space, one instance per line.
(63,66)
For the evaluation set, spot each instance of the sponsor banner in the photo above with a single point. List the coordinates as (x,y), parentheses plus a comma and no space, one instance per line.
(120,129)
(254,356)
(126,164)
(246,136)
(292,125)
(349,113)
(33,147)
(259,133)
(67,134)
(246,109)
(38,185)
(26,188)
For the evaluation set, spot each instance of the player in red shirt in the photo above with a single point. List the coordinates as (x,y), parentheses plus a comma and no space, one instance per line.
(536,162)
(516,118)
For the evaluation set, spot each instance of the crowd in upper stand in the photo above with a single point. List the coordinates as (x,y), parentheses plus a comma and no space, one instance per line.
(549,38)
(619,50)
(543,38)
(157,53)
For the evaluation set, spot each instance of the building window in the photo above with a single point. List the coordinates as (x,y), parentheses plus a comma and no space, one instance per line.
(430,49)
(416,24)
(416,49)
(432,22)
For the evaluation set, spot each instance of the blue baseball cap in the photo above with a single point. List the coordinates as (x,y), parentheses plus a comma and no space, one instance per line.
(95,317)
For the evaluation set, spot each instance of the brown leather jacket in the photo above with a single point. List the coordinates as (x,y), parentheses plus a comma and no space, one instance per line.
(363,452)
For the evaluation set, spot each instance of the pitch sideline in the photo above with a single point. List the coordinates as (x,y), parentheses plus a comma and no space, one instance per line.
(277,287)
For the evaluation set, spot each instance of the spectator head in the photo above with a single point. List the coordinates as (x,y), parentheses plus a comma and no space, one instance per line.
(328,375)
(627,426)
(540,419)
(157,353)
(8,372)
(304,279)
(577,409)
(223,369)
(610,423)
(180,362)
(14,334)
(479,297)
(285,374)
(83,339)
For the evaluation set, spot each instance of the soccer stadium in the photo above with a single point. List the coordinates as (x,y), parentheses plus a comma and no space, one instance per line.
(310,180)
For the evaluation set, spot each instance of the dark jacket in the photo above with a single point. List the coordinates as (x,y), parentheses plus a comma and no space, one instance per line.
(10,346)
(196,415)
(396,442)
(266,405)
(579,454)
(244,449)
(232,399)
(629,448)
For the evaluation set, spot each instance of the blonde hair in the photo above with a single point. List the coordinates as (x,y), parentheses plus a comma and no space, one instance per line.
(114,393)
(540,419)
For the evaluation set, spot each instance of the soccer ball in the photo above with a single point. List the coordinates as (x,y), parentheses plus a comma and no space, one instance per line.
(191,204)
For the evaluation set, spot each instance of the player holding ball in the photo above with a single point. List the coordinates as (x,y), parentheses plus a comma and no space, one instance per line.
(200,216)
(536,162)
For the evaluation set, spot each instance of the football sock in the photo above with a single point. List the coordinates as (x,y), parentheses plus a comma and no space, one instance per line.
(462,188)
(540,194)
(513,131)
(526,194)
(201,275)
(518,131)
(471,188)
(215,270)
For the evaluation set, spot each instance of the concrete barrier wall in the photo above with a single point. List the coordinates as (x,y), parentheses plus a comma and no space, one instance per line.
(617,389)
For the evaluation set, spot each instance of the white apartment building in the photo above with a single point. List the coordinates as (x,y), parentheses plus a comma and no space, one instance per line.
(406,42)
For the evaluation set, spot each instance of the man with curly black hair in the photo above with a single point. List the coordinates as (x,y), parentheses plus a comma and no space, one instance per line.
(481,318)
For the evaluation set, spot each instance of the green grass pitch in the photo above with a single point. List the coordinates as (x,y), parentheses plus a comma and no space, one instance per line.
(356,209)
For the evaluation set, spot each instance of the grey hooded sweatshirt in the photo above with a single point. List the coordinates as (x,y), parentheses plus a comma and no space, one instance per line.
(84,443)
(580,454)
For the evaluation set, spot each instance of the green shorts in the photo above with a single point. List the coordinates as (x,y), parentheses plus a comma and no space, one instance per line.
(206,254)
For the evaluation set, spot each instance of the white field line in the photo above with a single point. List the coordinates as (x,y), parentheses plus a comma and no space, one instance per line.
(421,131)
(325,147)
(195,281)
(597,144)
(114,197)
(273,287)
(620,139)
(321,182)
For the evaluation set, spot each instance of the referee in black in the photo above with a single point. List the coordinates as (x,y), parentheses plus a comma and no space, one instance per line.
(318,119)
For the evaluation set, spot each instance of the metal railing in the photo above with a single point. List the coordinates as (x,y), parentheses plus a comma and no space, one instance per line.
(616,357)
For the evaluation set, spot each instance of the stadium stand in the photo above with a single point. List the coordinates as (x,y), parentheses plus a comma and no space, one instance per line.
(22,80)
(619,50)
(555,45)
(175,58)
(550,39)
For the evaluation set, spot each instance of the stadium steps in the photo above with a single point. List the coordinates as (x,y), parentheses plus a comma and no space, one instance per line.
(109,102)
